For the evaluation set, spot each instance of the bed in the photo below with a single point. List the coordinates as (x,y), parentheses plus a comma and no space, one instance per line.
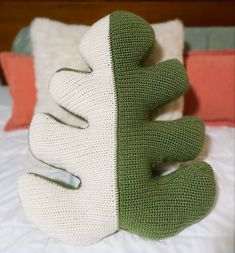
(214,234)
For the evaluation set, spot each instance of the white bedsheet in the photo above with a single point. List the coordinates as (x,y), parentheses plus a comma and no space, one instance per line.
(214,234)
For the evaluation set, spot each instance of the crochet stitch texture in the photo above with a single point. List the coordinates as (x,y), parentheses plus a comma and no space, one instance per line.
(114,157)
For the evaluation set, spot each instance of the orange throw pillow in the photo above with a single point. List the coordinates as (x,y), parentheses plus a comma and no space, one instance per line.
(212,93)
(19,74)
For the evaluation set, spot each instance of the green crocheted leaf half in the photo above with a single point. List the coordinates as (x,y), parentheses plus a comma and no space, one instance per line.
(154,207)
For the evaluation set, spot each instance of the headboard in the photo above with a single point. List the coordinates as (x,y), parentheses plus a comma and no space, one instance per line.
(15,14)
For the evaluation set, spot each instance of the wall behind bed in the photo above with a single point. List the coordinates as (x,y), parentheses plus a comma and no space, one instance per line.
(15,14)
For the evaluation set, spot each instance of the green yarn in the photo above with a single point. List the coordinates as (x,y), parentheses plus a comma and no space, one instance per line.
(154,207)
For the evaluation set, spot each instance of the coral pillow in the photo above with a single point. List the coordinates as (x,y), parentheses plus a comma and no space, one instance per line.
(19,73)
(212,93)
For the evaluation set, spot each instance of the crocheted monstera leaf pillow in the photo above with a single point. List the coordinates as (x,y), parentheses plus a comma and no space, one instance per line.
(115,155)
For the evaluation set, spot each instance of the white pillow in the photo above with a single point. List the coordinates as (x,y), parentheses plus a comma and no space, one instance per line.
(169,44)
(56,45)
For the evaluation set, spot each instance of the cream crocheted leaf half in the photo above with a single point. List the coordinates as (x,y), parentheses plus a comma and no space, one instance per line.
(85,215)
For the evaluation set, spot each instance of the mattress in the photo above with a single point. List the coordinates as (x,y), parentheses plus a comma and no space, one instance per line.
(214,234)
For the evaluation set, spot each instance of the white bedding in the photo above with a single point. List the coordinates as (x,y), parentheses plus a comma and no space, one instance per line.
(214,234)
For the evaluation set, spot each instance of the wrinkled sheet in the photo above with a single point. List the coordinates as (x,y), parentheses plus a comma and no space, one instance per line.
(214,234)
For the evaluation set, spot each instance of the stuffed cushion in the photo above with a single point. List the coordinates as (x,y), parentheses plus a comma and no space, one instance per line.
(19,73)
(115,155)
(212,79)
(22,42)
(209,38)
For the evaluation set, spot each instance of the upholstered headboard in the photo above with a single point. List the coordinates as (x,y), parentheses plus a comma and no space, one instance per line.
(15,14)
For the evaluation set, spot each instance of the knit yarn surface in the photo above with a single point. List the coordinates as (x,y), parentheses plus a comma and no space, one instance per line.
(117,156)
